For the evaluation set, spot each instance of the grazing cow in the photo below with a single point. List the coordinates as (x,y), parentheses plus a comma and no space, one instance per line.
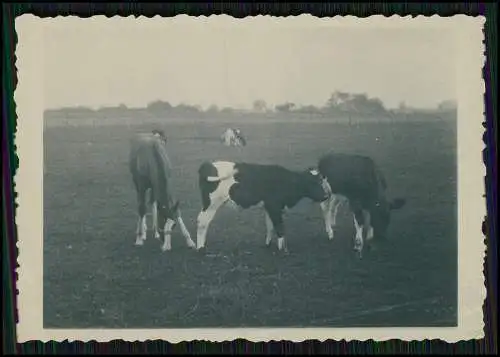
(357,180)
(246,185)
(150,168)
(161,134)
(233,137)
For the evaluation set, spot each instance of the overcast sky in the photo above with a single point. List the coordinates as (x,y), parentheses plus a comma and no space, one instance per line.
(108,63)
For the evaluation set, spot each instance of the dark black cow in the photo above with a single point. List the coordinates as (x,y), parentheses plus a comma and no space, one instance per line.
(357,180)
(150,168)
(247,185)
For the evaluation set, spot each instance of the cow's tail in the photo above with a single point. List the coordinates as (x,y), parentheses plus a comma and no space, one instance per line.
(381,178)
(223,177)
(162,160)
(396,203)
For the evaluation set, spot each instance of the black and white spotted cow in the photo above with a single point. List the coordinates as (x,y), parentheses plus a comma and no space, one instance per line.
(247,185)
(233,137)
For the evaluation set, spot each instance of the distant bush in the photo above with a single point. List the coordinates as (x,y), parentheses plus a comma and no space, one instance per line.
(340,106)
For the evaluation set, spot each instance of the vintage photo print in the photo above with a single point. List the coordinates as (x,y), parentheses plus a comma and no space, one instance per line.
(267,178)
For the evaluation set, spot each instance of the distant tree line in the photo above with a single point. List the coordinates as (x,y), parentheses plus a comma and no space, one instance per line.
(339,105)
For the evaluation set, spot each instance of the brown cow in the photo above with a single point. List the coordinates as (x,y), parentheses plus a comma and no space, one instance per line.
(151,170)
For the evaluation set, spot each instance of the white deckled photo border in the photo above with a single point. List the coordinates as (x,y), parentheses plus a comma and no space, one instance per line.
(29,99)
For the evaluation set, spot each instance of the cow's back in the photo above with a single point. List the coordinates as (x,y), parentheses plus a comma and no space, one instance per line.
(270,176)
(147,156)
(353,176)
(273,182)
(140,154)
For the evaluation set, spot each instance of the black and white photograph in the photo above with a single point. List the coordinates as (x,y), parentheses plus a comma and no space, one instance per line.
(257,173)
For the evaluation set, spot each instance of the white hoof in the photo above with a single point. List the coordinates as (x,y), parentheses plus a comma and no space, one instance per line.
(157,235)
(139,241)
(358,248)
(165,248)
(282,245)
(191,244)
(330,234)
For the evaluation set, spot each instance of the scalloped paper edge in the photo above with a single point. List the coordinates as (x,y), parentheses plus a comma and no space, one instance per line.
(472,207)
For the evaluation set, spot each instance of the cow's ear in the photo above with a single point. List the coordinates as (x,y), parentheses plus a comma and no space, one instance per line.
(397,203)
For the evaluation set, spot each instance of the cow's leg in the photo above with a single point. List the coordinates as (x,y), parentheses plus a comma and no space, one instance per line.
(141,230)
(185,232)
(141,222)
(204,219)
(367,225)
(358,224)
(269,229)
(154,214)
(276,215)
(337,204)
(326,207)
(167,234)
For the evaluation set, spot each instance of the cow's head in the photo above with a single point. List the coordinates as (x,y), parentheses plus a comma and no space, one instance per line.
(167,211)
(381,215)
(242,139)
(316,186)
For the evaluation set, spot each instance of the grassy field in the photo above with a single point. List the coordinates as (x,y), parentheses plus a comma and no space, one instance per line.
(94,276)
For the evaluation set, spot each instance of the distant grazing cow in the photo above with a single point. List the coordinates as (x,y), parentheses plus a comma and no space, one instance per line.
(161,134)
(247,185)
(151,170)
(357,180)
(233,137)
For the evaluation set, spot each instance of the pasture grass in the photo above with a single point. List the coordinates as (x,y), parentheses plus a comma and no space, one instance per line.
(94,276)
